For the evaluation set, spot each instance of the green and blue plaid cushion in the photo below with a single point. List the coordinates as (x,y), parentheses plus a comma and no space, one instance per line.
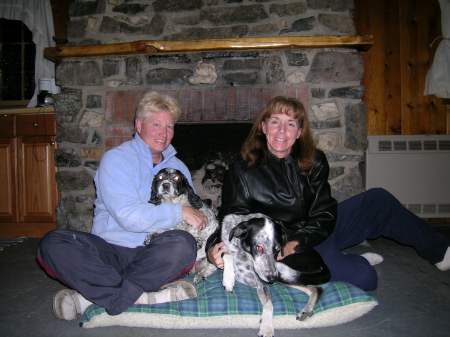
(213,300)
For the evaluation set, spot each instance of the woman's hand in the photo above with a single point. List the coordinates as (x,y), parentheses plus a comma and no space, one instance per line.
(215,255)
(288,249)
(194,217)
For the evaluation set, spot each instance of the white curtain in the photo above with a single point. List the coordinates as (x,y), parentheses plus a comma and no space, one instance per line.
(37,16)
(438,77)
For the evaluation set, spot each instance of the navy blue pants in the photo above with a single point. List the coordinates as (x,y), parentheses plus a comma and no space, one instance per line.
(111,276)
(369,215)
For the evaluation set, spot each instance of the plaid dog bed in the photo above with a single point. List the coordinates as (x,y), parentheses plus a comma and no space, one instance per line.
(216,308)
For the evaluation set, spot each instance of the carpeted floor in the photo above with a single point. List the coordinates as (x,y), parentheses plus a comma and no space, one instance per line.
(413,297)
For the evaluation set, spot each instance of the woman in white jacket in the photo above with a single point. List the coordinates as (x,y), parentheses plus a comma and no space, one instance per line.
(110,266)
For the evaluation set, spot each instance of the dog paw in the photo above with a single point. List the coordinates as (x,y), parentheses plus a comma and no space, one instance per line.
(266,332)
(199,278)
(150,237)
(229,289)
(302,315)
(228,285)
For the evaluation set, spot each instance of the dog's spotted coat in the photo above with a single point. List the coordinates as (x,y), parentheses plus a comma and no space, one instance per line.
(253,243)
(170,185)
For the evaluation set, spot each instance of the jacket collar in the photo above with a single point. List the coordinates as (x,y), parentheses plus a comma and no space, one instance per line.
(273,158)
(144,151)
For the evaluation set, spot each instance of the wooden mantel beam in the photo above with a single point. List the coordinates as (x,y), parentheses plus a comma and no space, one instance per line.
(358,42)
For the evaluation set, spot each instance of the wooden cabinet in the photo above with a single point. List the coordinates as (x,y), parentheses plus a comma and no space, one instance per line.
(27,175)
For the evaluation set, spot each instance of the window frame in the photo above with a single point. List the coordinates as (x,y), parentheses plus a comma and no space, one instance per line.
(25,39)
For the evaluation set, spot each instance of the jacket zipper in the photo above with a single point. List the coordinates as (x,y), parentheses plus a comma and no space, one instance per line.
(297,192)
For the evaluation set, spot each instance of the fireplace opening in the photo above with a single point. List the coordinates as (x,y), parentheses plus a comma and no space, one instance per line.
(208,150)
(200,144)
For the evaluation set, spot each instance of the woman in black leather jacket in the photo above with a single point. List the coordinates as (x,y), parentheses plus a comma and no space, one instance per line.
(284,176)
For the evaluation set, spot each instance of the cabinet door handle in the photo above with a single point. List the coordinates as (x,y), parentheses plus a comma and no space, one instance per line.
(52,143)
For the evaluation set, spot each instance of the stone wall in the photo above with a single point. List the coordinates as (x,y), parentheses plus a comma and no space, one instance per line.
(95,109)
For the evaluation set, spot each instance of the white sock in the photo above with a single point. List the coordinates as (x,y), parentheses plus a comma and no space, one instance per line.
(373,258)
(163,296)
(445,263)
(143,299)
(84,303)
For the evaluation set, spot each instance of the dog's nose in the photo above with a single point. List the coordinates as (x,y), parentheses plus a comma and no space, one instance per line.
(271,278)
(165,186)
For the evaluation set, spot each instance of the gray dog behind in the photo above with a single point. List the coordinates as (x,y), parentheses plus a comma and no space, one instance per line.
(170,185)
(253,243)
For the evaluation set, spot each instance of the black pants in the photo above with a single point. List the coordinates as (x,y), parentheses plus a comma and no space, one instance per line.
(111,276)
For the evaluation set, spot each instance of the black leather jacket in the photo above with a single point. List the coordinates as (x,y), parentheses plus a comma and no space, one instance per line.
(303,205)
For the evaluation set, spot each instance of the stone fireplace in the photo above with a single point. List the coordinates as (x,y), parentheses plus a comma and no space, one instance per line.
(220,92)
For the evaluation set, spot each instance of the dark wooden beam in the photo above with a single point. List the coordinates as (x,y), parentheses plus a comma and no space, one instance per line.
(60,10)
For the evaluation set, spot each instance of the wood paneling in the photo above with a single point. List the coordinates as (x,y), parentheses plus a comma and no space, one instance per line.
(397,64)
(60,9)
(392,78)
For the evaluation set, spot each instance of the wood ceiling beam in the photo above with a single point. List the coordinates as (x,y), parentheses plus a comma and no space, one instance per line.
(358,42)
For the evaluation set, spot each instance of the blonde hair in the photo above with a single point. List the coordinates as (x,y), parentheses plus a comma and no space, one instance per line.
(155,102)
(303,151)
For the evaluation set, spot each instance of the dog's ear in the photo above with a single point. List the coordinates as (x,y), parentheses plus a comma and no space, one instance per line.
(185,188)
(281,236)
(154,194)
(284,240)
(240,231)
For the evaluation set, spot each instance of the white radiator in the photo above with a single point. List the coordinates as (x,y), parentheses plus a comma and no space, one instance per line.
(415,169)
